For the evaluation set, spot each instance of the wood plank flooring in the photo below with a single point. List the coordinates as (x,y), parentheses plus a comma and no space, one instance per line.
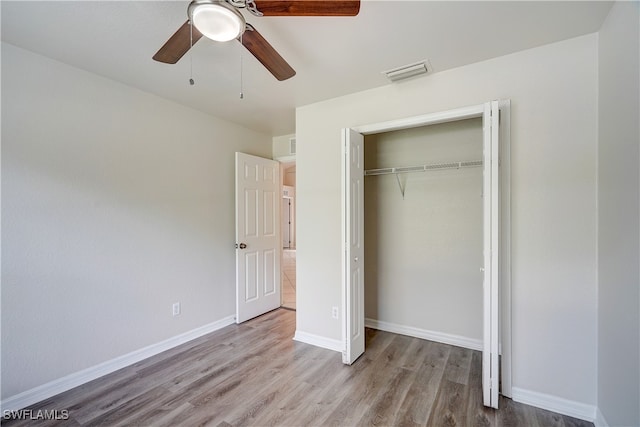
(255,374)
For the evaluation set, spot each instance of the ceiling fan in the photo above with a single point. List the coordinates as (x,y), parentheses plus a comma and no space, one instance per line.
(221,20)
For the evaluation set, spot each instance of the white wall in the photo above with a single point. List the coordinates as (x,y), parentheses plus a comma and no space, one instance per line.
(115,204)
(554,128)
(423,251)
(619,216)
(281,146)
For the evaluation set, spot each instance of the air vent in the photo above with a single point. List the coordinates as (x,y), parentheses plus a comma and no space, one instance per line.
(406,71)
(292,146)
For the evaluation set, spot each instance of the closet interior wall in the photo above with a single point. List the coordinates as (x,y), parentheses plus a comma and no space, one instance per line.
(423,249)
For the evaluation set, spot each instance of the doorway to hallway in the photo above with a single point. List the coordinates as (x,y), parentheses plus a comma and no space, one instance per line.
(289,278)
(288,218)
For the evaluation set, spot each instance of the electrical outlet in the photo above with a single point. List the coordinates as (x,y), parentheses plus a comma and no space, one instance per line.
(176,309)
(334,312)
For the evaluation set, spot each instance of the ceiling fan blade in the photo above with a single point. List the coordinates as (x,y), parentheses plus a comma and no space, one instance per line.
(177,45)
(308,7)
(266,54)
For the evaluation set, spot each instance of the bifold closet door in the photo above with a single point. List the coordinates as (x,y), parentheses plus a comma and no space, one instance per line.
(490,210)
(353,199)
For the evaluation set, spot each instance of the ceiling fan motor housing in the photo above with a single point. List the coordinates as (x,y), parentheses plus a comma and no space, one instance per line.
(216,19)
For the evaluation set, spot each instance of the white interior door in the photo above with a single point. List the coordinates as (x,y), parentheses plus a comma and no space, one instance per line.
(491,216)
(257,236)
(353,298)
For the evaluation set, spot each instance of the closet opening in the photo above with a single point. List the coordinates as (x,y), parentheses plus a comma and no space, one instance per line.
(423,232)
(427,234)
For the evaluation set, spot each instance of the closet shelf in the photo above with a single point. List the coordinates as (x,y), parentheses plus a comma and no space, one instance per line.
(423,168)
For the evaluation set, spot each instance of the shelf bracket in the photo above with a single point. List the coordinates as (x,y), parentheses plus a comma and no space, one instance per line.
(402,187)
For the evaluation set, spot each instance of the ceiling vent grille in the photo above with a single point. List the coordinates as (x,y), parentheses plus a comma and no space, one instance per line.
(292,146)
(407,71)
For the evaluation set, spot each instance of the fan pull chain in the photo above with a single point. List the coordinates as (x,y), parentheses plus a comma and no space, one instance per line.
(241,85)
(191,81)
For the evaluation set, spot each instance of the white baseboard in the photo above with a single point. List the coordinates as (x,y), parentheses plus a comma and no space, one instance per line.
(600,421)
(318,341)
(45,391)
(557,404)
(456,340)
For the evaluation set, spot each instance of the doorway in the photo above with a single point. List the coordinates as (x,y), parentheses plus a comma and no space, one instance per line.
(288,217)
(496,236)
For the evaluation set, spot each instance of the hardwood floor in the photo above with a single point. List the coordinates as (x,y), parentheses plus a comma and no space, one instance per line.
(255,374)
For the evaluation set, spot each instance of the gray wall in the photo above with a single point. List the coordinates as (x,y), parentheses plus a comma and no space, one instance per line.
(618,216)
(554,114)
(115,204)
(423,252)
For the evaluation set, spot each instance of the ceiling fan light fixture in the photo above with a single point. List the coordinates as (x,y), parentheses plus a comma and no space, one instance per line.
(216,20)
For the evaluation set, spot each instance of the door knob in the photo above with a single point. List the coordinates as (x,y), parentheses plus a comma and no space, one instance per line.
(241,246)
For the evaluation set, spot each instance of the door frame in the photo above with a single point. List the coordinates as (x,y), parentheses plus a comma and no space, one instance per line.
(503,314)
(285,213)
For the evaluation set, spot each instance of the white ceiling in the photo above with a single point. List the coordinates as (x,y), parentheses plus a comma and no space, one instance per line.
(332,56)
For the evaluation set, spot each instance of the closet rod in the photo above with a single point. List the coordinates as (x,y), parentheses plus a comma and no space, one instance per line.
(423,168)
